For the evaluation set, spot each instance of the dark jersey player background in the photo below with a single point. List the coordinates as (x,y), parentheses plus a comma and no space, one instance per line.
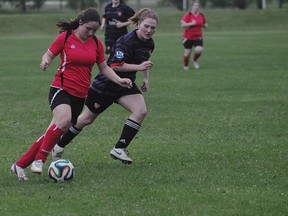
(115,21)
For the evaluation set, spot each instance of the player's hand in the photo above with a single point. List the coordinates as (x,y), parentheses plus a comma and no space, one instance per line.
(146,65)
(119,24)
(145,86)
(44,65)
(125,82)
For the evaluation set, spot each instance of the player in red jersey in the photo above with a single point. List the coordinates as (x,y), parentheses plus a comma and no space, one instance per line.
(79,51)
(193,22)
(130,54)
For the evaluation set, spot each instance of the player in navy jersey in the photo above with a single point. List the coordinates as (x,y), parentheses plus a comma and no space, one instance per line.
(79,51)
(131,53)
(115,21)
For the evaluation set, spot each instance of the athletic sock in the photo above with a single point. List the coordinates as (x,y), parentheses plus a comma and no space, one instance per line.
(129,131)
(186,60)
(196,56)
(52,136)
(68,136)
(28,157)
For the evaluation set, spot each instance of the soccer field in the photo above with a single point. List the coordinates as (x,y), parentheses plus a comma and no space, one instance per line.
(214,141)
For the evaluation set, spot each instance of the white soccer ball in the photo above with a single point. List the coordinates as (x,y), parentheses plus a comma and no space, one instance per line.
(61,170)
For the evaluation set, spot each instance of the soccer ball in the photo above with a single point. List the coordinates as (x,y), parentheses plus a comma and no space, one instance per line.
(61,170)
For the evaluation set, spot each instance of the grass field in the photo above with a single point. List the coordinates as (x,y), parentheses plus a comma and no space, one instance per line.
(214,142)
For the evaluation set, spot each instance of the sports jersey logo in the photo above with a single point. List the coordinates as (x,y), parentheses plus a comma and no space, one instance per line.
(73,46)
(119,13)
(119,54)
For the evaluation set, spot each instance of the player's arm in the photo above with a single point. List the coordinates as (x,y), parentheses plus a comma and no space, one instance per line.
(122,24)
(145,84)
(103,25)
(125,67)
(111,75)
(187,24)
(46,60)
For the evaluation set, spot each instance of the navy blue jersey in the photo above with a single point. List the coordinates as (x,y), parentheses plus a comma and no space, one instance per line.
(113,14)
(131,50)
(128,49)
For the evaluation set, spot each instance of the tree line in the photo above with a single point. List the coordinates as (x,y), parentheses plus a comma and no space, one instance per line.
(24,5)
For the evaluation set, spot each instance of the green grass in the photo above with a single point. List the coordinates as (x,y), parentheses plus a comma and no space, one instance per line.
(214,142)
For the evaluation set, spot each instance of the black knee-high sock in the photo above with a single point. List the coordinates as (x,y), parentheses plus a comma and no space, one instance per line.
(67,137)
(129,131)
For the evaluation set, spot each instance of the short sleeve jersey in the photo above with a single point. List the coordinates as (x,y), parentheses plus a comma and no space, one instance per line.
(128,49)
(77,61)
(131,50)
(193,32)
(112,14)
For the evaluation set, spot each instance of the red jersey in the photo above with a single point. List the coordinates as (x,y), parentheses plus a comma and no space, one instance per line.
(77,61)
(193,32)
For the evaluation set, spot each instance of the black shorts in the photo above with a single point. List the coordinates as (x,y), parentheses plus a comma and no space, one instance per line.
(59,96)
(188,44)
(104,100)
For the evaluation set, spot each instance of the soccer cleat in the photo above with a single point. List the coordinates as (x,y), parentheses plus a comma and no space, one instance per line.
(196,65)
(185,68)
(19,171)
(121,154)
(57,152)
(37,166)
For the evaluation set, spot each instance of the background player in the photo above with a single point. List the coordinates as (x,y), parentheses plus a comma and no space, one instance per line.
(193,22)
(115,21)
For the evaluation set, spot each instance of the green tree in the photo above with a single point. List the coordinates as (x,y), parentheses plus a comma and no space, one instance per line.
(82,4)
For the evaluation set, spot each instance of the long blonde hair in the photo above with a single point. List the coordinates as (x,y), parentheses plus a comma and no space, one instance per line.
(142,14)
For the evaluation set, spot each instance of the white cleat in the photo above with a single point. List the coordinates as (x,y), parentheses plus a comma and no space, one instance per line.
(196,65)
(185,68)
(121,154)
(57,152)
(19,171)
(37,166)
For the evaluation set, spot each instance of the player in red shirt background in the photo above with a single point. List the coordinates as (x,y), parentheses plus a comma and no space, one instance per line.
(78,52)
(193,22)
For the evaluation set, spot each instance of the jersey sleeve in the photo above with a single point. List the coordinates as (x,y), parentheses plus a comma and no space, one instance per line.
(105,11)
(129,12)
(185,18)
(58,44)
(100,52)
(204,20)
(119,55)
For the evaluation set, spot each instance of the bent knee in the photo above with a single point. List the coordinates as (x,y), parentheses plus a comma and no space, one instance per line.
(87,120)
(199,49)
(64,124)
(141,114)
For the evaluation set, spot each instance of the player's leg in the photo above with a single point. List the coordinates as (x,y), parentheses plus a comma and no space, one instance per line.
(95,104)
(187,52)
(135,104)
(60,123)
(197,52)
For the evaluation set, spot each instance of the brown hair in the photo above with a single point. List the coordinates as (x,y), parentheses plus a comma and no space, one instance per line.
(88,15)
(142,14)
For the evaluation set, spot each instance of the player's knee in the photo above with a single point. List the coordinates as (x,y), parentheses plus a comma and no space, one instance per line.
(64,124)
(141,114)
(199,49)
(87,120)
